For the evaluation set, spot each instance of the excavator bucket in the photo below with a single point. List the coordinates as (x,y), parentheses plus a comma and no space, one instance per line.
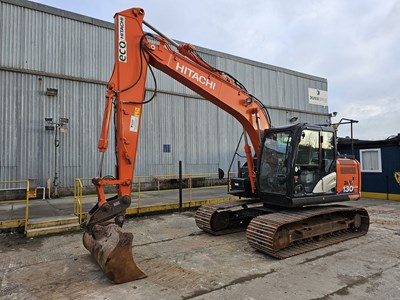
(112,249)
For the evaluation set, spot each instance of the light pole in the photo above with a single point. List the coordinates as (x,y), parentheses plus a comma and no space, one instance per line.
(57,127)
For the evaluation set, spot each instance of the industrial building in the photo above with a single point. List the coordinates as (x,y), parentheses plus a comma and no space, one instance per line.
(54,66)
(380,165)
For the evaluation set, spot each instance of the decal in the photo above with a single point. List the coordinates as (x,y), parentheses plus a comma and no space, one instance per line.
(122,55)
(194,75)
(137,112)
(134,124)
(348,189)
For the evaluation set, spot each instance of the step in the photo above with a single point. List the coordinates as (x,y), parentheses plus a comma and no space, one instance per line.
(32,232)
(52,221)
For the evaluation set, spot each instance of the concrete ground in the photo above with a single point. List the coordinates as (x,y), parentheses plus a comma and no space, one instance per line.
(182,262)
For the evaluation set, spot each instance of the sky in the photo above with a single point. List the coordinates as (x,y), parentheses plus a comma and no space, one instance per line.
(354,44)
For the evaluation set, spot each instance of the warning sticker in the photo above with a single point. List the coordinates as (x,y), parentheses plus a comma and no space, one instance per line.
(137,112)
(134,123)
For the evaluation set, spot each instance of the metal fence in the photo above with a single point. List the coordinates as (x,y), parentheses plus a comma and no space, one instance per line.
(149,188)
(147,195)
(17,185)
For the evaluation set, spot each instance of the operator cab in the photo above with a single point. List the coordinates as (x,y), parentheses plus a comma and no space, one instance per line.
(296,167)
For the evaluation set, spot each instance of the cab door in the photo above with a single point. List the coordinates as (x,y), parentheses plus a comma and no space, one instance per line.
(315,159)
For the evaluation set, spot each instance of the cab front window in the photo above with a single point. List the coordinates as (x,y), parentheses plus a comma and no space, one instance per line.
(274,159)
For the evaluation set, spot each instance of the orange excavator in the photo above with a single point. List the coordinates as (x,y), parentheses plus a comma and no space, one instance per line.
(291,174)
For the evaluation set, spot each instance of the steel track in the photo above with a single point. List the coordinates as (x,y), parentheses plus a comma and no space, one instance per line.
(265,230)
(207,215)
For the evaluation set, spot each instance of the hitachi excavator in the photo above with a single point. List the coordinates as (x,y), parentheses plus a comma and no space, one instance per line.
(291,172)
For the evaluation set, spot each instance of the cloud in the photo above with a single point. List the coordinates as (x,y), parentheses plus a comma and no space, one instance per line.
(354,44)
(378,119)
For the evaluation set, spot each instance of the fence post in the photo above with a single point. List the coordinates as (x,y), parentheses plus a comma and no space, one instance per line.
(190,187)
(229,182)
(138,192)
(180,185)
(26,207)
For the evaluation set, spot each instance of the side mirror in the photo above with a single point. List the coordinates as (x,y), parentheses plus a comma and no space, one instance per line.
(221,173)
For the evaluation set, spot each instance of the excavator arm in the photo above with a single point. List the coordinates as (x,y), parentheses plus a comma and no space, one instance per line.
(125,97)
(126,91)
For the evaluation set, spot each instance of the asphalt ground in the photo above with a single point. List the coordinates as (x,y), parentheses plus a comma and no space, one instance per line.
(182,262)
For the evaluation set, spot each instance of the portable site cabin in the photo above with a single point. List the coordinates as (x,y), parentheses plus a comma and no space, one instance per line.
(380,165)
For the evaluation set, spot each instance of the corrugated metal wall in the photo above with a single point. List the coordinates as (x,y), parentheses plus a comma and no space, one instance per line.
(42,48)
